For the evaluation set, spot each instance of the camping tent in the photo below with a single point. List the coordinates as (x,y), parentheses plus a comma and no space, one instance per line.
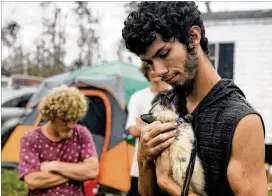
(107,93)
(131,77)
(30,97)
(46,85)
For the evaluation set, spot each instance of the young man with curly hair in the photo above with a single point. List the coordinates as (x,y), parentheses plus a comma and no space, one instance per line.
(56,158)
(140,103)
(170,36)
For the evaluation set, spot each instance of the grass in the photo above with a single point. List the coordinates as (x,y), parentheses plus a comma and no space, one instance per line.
(10,183)
(12,186)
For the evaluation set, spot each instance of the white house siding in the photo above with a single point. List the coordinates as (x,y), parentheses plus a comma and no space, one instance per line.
(252,60)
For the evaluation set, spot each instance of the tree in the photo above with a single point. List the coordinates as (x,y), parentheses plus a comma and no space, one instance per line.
(50,48)
(14,62)
(9,33)
(208,6)
(87,41)
(130,6)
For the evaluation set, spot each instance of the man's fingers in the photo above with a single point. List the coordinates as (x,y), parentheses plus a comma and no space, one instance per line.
(160,128)
(149,127)
(153,152)
(145,135)
(161,138)
(155,137)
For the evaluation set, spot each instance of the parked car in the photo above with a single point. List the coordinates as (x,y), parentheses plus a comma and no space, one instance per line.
(13,108)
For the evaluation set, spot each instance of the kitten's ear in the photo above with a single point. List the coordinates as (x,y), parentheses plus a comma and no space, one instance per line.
(165,100)
(171,97)
(147,118)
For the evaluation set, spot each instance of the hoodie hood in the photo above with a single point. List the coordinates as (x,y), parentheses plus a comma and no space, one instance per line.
(206,128)
(222,89)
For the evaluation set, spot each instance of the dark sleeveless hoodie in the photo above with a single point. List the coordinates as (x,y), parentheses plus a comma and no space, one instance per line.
(214,121)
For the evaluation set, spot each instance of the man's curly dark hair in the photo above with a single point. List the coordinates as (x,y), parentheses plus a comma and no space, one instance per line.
(170,19)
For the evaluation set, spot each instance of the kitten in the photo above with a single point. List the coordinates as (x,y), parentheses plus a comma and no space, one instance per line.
(180,150)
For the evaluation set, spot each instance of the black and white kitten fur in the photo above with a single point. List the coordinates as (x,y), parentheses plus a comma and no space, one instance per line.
(180,150)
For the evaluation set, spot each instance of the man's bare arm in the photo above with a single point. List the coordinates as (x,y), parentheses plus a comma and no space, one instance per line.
(135,130)
(246,172)
(43,180)
(164,175)
(172,188)
(86,170)
(147,181)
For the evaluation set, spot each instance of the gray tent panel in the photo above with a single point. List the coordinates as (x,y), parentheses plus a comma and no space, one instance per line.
(113,83)
(45,87)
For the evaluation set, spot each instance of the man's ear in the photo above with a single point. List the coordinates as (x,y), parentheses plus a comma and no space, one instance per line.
(147,118)
(195,34)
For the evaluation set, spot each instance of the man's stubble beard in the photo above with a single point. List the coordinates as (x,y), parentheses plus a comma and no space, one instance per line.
(191,68)
(181,91)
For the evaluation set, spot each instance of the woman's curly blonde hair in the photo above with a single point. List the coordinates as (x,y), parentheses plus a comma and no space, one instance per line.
(65,103)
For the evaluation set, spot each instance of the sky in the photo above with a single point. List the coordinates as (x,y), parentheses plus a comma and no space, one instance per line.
(111,14)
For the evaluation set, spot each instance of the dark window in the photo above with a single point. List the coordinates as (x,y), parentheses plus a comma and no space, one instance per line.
(212,50)
(212,54)
(221,56)
(225,63)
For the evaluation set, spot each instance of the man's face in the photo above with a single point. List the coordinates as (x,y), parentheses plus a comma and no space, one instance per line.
(64,128)
(171,61)
(153,77)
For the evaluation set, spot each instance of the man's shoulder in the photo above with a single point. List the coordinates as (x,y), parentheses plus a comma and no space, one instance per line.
(237,103)
(81,130)
(32,134)
(141,92)
(140,97)
(237,109)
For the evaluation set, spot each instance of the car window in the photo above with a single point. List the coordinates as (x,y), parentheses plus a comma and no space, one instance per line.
(18,101)
(12,103)
(4,84)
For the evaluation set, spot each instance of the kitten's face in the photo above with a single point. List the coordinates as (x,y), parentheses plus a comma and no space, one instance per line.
(163,110)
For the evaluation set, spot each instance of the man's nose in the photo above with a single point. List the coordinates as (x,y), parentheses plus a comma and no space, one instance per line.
(71,124)
(159,67)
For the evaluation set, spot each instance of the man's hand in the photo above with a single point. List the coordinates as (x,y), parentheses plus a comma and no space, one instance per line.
(155,137)
(50,166)
(139,121)
(135,130)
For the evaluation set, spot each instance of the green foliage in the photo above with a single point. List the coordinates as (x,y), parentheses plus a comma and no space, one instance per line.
(10,183)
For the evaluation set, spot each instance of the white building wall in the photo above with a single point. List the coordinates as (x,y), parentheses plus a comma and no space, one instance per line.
(252,61)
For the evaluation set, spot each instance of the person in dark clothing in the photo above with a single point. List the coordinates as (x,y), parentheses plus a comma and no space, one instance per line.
(170,37)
